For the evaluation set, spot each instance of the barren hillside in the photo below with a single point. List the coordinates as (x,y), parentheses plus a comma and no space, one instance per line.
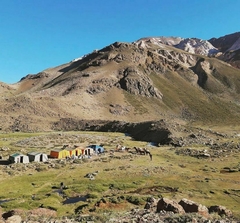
(148,80)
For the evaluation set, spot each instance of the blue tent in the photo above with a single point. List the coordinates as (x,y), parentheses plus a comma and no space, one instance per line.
(97,148)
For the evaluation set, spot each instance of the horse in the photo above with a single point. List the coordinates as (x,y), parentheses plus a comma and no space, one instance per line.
(147,152)
(120,148)
(139,150)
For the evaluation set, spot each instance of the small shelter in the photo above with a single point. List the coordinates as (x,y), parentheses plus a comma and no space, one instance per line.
(59,153)
(75,151)
(88,151)
(18,158)
(37,157)
(97,148)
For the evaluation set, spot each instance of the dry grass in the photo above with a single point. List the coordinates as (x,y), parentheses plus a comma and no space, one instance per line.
(132,177)
(64,91)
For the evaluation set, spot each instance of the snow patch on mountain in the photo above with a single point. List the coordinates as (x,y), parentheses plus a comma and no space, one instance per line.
(80,58)
(76,59)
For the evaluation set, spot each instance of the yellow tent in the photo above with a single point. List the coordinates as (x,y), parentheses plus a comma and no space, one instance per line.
(76,151)
(59,153)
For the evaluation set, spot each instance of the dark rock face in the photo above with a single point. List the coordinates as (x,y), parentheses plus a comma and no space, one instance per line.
(220,210)
(225,42)
(191,206)
(233,58)
(8,214)
(156,132)
(166,204)
(151,204)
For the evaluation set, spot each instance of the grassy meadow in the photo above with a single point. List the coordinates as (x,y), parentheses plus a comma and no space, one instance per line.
(121,181)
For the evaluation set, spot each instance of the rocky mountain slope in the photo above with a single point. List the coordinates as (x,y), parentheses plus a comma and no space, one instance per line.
(180,81)
(191,45)
(229,45)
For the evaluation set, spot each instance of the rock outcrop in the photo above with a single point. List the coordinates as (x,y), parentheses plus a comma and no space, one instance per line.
(165,204)
(221,210)
(150,79)
(191,206)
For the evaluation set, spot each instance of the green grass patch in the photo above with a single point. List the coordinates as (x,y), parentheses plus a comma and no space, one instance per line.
(123,182)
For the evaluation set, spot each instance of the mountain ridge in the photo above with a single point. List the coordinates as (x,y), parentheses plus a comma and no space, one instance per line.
(147,80)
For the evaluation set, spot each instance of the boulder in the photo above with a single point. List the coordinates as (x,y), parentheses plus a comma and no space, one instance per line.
(8,214)
(14,219)
(165,204)
(220,210)
(191,206)
(151,203)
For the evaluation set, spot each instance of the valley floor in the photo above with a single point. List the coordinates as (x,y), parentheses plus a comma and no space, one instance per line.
(117,181)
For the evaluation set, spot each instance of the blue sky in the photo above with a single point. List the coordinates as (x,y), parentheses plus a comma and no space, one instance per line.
(39,34)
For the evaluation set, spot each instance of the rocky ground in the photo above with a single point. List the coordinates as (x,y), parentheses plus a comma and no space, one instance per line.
(218,145)
(155,211)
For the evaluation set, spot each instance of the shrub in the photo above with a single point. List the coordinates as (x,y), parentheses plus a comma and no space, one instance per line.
(135,200)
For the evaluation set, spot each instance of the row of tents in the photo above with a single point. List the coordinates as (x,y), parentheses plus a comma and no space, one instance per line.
(30,157)
(65,152)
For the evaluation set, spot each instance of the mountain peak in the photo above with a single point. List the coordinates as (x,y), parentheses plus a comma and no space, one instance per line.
(191,45)
(152,78)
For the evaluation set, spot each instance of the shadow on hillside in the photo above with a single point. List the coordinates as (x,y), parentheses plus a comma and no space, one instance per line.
(77,63)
